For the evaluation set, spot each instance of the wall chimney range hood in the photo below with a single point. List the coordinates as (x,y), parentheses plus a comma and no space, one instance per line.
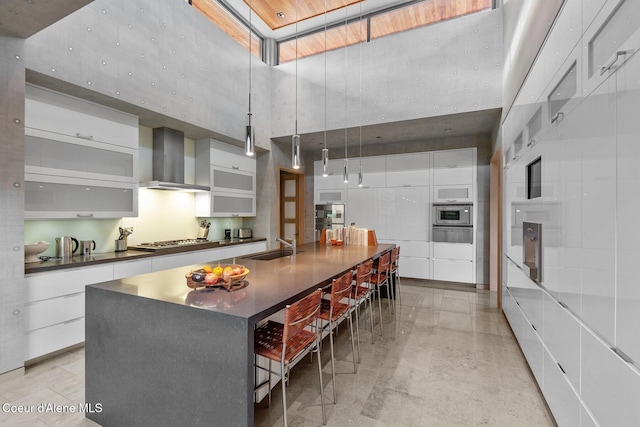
(168,162)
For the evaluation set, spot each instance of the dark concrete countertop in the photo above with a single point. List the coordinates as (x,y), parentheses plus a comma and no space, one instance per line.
(270,284)
(128,255)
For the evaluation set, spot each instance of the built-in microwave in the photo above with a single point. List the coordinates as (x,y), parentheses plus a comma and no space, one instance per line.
(453,215)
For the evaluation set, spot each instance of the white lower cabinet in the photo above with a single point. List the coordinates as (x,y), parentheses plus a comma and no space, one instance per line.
(55,302)
(124,269)
(54,308)
(563,401)
(53,338)
(414,258)
(453,262)
(453,270)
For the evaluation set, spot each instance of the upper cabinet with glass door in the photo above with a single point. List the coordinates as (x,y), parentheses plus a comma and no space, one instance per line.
(610,40)
(81,159)
(232,178)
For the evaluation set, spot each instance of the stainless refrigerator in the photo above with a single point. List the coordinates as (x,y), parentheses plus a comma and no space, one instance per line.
(329,216)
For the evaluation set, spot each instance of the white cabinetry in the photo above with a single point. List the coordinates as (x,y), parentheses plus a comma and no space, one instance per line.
(407,170)
(373,175)
(54,309)
(453,262)
(330,188)
(231,176)
(610,41)
(453,176)
(81,159)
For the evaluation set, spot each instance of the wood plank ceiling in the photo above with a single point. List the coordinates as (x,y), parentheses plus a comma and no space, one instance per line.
(280,13)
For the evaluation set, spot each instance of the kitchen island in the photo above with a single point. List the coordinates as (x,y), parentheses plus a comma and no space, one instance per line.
(160,353)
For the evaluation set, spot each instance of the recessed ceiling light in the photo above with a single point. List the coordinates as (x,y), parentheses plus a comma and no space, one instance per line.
(280,14)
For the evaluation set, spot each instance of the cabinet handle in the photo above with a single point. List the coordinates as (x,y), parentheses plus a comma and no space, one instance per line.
(71,321)
(607,67)
(84,215)
(79,135)
(557,117)
(560,366)
(235,214)
(452,200)
(531,142)
(235,167)
(406,185)
(452,166)
(621,355)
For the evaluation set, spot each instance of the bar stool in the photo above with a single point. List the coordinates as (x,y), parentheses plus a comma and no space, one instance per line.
(333,311)
(361,292)
(289,342)
(380,278)
(393,272)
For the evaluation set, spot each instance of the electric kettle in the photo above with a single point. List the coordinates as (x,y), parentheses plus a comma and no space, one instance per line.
(66,246)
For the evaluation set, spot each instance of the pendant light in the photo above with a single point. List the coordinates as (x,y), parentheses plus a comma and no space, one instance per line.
(360,177)
(250,137)
(325,151)
(295,139)
(345,174)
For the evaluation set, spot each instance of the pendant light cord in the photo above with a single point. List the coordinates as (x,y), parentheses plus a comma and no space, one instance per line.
(325,74)
(250,9)
(346,78)
(296,131)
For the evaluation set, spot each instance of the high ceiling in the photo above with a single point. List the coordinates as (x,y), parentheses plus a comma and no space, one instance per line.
(310,13)
(24,18)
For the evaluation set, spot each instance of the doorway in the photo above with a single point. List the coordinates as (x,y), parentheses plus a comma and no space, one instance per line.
(292,205)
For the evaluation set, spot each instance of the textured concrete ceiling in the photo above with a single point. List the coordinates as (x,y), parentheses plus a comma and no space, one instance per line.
(429,128)
(24,18)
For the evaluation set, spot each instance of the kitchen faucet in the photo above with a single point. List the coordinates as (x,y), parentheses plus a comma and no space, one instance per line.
(291,245)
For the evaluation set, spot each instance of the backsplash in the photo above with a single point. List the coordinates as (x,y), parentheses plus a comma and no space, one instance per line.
(162,215)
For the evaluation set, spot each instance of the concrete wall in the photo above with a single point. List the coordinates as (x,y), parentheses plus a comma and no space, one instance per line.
(158,59)
(12,63)
(451,67)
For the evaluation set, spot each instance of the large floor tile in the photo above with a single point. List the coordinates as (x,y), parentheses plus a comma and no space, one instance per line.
(445,357)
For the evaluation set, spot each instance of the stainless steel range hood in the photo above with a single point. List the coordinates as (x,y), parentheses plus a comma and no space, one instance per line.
(168,162)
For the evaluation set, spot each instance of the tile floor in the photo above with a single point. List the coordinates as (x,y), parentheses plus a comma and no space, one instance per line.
(447,359)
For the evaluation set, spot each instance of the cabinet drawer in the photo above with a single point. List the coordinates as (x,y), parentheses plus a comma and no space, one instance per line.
(61,197)
(53,338)
(49,312)
(53,284)
(461,251)
(75,117)
(453,270)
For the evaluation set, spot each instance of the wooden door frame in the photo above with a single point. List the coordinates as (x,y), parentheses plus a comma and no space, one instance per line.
(495,225)
(300,214)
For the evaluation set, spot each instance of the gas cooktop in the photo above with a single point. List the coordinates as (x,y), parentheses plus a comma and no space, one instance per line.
(168,244)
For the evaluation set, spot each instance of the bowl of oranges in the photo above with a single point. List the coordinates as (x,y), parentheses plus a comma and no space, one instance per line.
(225,276)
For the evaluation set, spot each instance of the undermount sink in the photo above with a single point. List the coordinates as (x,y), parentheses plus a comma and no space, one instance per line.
(269,255)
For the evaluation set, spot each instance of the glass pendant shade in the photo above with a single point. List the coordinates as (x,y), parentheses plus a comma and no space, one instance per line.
(250,139)
(295,151)
(360,176)
(345,175)
(325,162)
